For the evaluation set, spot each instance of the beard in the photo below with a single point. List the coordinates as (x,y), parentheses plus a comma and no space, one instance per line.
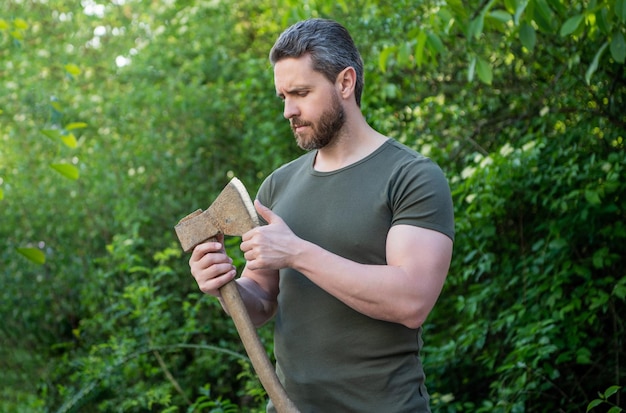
(324,131)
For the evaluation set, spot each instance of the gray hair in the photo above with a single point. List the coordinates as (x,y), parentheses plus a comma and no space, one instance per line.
(328,43)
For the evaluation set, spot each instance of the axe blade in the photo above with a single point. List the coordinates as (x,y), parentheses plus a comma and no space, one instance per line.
(233,211)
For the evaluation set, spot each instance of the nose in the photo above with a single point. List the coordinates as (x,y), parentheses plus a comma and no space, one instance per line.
(291,109)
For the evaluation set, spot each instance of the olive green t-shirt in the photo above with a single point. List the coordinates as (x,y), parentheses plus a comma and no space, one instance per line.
(331,358)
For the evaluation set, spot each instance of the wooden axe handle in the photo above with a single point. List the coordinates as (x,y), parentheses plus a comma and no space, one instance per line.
(254,348)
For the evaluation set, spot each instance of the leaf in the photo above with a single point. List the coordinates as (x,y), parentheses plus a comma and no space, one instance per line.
(1,194)
(20,24)
(435,44)
(33,254)
(543,15)
(618,48)
(75,125)
(471,69)
(72,69)
(594,64)
(483,68)
(521,6)
(475,28)
(527,36)
(501,16)
(53,134)
(611,391)
(602,20)
(384,57)
(571,25)
(419,49)
(593,404)
(56,105)
(69,140)
(67,170)
(592,197)
(620,10)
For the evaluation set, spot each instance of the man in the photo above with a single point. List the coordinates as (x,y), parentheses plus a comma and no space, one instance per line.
(357,244)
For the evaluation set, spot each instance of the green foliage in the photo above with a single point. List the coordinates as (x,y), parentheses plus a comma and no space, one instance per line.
(603,399)
(150,107)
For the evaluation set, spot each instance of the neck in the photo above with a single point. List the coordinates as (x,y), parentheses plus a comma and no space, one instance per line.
(355,141)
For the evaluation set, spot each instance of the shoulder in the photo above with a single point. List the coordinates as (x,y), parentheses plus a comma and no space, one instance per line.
(409,166)
(285,174)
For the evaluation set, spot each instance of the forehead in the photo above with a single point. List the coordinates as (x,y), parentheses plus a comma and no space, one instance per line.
(290,73)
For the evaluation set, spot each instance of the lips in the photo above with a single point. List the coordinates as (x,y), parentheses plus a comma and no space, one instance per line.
(297,123)
(297,127)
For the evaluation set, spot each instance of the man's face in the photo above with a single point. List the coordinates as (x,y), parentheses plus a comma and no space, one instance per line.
(312,104)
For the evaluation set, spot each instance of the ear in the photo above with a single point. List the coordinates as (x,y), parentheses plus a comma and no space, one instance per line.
(346,82)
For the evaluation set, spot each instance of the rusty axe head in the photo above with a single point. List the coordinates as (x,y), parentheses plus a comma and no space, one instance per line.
(232,213)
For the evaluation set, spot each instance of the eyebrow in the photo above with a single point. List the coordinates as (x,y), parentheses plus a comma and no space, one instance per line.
(293,91)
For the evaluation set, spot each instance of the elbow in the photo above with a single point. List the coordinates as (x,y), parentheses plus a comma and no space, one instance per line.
(415,317)
(414,322)
(264,316)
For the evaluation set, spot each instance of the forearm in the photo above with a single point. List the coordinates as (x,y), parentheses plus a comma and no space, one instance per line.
(403,291)
(378,291)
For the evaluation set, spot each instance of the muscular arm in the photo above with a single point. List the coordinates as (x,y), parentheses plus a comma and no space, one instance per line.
(403,291)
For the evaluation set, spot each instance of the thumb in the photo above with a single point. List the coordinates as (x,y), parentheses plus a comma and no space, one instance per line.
(265,212)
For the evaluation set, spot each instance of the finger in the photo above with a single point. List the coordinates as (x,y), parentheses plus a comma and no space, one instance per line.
(265,212)
(201,250)
(213,285)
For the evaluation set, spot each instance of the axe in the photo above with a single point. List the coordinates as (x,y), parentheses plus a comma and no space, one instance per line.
(232,213)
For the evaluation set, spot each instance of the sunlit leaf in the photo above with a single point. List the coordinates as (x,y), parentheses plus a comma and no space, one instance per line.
(594,64)
(1,194)
(33,254)
(618,48)
(384,57)
(69,140)
(72,69)
(571,25)
(419,48)
(75,125)
(67,170)
(4,25)
(17,35)
(20,24)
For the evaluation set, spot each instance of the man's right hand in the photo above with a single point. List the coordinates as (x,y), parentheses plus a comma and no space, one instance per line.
(211,266)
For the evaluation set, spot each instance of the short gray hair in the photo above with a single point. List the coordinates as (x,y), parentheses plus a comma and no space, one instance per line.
(328,43)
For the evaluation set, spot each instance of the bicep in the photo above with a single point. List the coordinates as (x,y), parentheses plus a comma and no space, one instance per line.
(425,257)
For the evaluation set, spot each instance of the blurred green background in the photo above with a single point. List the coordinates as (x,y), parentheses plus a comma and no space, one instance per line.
(119,117)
